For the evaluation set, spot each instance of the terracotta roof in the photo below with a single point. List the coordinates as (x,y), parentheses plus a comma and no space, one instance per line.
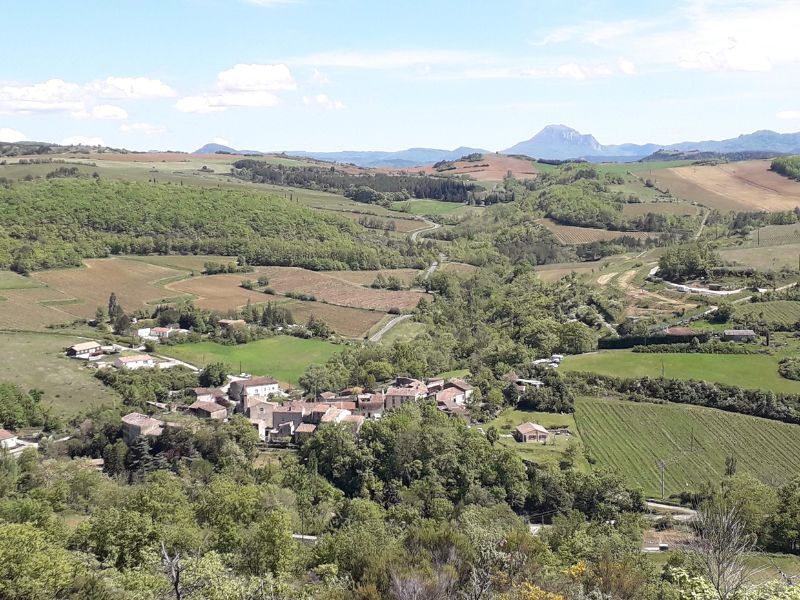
(345,404)
(6,435)
(678,331)
(332,415)
(206,406)
(306,428)
(526,428)
(135,358)
(259,381)
(460,384)
(739,332)
(403,391)
(84,346)
(327,395)
(201,391)
(449,394)
(141,420)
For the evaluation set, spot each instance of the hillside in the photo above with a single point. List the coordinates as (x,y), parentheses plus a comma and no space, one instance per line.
(81,218)
(694,442)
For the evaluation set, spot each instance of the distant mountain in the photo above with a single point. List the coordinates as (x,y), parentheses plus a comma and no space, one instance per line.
(212,148)
(400,159)
(562,142)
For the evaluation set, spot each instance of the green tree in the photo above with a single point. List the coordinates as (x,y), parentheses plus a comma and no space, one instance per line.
(268,546)
(214,375)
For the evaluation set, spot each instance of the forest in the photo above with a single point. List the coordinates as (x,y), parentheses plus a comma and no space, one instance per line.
(788,166)
(374,188)
(59,222)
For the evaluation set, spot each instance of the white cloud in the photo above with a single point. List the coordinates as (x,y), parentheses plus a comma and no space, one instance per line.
(320,78)
(788,114)
(393,59)
(243,85)
(109,112)
(571,71)
(144,128)
(208,103)
(323,101)
(250,78)
(11,135)
(81,140)
(52,95)
(626,66)
(131,87)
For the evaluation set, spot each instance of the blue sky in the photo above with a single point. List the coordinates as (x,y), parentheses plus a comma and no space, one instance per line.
(348,74)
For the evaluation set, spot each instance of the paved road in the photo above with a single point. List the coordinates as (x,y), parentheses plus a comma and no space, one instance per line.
(679,513)
(376,337)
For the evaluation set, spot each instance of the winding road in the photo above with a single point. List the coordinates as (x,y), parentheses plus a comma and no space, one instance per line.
(431,227)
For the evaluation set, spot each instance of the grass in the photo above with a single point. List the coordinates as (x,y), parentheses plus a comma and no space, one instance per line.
(13,281)
(694,442)
(755,371)
(765,257)
(783,313)
(282,357)
(762,564)
(36,360)
(405,331)
(550,453)
(427,207)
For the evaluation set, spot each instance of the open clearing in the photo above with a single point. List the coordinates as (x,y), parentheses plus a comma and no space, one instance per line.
(346,321)
(694,441)
(365,278)
(569,234)
(490,167)
(36,360)
(434,207)
(756,371)
(660,208)
(765,258)
(550,453)
(741,186)
(283,357)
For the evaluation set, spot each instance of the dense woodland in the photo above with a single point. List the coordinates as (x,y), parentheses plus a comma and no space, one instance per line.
(373,188)
(57,223)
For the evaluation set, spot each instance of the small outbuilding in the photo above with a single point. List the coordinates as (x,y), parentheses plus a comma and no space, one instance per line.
(8,439)
(84,350)
(739,335)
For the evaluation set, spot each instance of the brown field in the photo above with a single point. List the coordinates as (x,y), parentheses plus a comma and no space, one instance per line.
(492,167)
(189,262)
(135,284)
(346,321)
(21,308)
(554,272)
(661,208)
(741,186)
(567,234)
(365,278)
(764,258)
(222,292)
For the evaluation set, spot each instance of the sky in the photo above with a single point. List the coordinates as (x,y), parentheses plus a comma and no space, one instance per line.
(327,75)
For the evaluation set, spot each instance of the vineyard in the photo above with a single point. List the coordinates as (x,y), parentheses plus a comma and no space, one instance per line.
(693,441)
(777,314)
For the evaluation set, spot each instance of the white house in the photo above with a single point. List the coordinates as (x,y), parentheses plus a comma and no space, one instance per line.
(137,361)
(8,439)
(255,386)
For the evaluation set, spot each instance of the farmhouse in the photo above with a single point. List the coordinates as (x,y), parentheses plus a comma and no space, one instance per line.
(84,350)
(137,361)
(404,390)
(531,432)
(209,394)
(303,432)
(208,410)
(739,335)
(462,385)
(262,387)
(451,395)
(136,424)
(8,439)
(161,333)
(679,331)
(371,407)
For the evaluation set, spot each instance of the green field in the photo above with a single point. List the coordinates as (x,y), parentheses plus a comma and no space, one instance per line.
(550,453)
(764,257)
(36,360)
(405,331)
(756,371)
(13,281)
(781,313)
(694,441)
(429,207)
(282,357)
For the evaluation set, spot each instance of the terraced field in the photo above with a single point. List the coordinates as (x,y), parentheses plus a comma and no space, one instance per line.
(569,235)
(772,257)
(693,441)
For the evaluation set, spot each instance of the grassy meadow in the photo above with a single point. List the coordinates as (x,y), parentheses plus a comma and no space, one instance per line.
(282,357)
(694,441)
(36,360)
(756,371)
